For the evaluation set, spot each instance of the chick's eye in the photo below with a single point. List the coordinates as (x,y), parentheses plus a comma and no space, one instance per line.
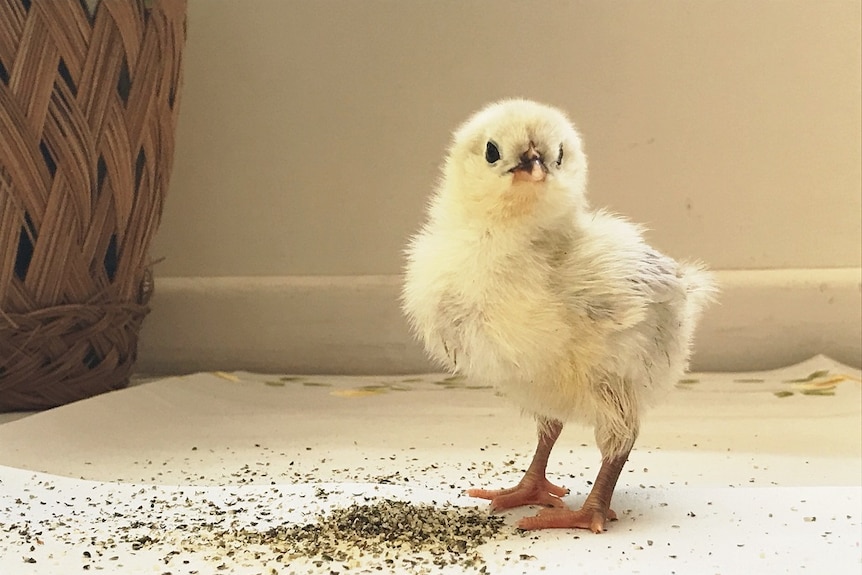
(560,156)
(492,153)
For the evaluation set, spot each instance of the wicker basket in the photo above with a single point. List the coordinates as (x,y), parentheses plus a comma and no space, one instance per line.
(88,106)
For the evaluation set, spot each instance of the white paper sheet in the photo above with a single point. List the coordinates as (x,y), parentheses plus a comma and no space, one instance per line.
(730,475)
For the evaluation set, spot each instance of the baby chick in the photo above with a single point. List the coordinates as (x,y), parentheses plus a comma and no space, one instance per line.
(513,280)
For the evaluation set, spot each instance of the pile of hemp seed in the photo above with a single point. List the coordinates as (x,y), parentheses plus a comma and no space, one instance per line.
(378,534)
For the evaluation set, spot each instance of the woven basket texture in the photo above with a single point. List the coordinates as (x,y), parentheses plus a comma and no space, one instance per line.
(88,106)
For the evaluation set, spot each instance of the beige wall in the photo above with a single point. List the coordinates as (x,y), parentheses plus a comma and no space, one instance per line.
(311,134)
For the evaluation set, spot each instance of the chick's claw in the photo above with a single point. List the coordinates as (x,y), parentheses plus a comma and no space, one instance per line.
(584,518)
(530,491)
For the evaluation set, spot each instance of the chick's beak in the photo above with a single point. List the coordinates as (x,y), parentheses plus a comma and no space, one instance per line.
(531,167)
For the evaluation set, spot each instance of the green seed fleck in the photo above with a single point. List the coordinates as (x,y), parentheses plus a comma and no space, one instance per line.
(811,377)
(824,391)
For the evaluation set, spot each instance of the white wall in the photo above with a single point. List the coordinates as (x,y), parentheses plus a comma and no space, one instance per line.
(311,133)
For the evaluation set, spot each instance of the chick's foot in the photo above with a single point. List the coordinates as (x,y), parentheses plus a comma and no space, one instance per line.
(532,490)
(585,518)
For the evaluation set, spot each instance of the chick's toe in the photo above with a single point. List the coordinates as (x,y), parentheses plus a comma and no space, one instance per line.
(586,517)
(533,489)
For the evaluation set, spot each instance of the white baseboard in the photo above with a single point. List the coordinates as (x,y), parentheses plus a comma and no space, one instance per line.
(353,325)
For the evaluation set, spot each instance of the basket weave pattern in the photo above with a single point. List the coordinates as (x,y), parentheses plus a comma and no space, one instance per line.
(88,107)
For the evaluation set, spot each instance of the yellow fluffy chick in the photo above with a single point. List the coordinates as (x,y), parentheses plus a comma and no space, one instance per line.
(515,281)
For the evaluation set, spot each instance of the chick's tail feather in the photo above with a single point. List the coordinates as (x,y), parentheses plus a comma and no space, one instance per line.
(701,288)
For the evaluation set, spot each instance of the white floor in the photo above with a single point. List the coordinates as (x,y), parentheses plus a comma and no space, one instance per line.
(731,474)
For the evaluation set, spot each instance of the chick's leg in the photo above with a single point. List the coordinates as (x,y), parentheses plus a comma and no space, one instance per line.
(596,510)
(616,431)
(534,488)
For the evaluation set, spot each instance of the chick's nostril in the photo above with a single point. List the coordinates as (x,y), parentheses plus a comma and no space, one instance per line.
(530,156)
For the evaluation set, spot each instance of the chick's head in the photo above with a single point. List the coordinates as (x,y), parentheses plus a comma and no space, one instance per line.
(516,160)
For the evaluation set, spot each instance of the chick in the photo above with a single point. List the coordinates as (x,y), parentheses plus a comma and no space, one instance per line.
(514,280)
